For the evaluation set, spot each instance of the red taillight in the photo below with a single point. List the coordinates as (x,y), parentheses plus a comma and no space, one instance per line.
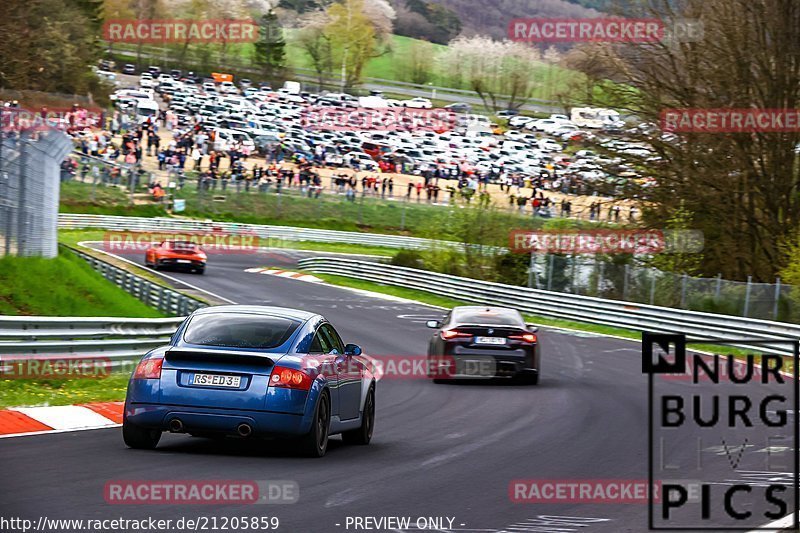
(289,378)
(448,334)
(525,337)
(149,369)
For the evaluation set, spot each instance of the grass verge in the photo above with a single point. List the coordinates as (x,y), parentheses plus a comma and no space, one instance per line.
(63,286)
(39,392)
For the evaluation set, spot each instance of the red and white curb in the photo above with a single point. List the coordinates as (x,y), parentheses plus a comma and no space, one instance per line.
(285,274)
(21,421)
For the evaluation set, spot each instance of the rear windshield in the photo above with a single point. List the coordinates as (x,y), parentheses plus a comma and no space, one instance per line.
(239,331)
(490,317)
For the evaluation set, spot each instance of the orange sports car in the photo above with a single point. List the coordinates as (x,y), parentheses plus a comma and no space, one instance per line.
(176,254)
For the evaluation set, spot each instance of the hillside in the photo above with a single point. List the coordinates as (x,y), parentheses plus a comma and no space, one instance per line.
(492,17)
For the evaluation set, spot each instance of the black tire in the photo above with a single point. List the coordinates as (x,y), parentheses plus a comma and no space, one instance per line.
(201,271)
(439,381)
(363,434)
(528,378)
(315,442)
(139,438)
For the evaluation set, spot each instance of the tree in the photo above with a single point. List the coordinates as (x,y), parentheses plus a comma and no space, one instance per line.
(352,38)
(740,189)
(270,50)
(493,69)
(417,65)
(313,39)
(49,46)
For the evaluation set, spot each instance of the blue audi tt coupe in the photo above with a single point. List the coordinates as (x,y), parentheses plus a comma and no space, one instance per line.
(252,371)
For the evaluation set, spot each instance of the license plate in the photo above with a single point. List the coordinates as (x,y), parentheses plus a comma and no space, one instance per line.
(183,261)
(216,380)
(490,340)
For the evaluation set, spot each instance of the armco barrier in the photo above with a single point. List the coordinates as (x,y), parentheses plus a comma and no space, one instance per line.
(565,306)
(118,339)
(119,223)
(165,300)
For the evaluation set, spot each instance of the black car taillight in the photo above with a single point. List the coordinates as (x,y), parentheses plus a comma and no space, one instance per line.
(524,337)
(449,334)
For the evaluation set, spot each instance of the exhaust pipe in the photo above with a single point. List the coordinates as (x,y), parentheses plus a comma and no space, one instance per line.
(175,425)
(244,430)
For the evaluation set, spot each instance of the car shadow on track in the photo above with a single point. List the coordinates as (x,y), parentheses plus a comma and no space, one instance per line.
(277,448)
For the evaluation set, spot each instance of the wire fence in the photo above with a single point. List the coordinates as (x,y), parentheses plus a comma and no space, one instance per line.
(618,280)
(29,191)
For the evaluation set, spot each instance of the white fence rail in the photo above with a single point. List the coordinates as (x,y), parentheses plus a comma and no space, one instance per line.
(567,306)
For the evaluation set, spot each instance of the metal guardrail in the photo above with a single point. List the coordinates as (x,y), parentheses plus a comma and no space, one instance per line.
(119,340)
(565,306)
(289,233)
(165,300)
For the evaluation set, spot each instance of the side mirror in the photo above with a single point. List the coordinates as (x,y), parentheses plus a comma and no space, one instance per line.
(352,349)
(433,324)
(532,327)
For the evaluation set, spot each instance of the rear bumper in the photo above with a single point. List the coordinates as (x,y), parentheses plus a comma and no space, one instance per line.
(173,263)
(224,421)
(486,364)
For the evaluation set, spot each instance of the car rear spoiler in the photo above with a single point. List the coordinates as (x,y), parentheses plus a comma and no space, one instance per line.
(242,357)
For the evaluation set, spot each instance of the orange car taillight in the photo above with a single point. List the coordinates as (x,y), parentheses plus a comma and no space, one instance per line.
(289,378)
(149,369)
(448,334)
(525,337)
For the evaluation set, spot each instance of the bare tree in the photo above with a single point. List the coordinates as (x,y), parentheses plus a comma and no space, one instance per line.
(741,189)
(493,69)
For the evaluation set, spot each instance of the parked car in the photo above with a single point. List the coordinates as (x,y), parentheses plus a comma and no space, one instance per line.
(417,103)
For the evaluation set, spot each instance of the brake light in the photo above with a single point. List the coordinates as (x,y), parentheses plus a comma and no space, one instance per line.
(525,337)
(289,378)
(448,334)
(149,369)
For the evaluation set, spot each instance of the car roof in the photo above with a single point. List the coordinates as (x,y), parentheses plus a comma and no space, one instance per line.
(287,312)
(463,309)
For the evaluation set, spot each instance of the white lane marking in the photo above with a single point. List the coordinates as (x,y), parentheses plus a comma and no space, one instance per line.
(66,417)
(49,431)
(176,280)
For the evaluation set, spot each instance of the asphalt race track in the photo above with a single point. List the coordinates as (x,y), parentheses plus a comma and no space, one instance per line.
(438,450)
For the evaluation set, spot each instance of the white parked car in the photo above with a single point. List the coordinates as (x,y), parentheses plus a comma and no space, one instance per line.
(228,87)
(548,145)
(418,103)
(519,121)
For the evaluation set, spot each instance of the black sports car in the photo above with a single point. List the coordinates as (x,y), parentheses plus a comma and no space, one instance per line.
(483,342)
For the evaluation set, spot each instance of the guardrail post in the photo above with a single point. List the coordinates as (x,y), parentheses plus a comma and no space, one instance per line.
(719,287)
(160,305)
(625,282)
(777,298)
(652,286)
(684,281)
(746,309)
(550,272)
(600,276)
(572,274)
(531,271)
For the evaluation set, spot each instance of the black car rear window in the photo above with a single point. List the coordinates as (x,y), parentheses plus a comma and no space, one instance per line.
(239,331)
(491,317)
